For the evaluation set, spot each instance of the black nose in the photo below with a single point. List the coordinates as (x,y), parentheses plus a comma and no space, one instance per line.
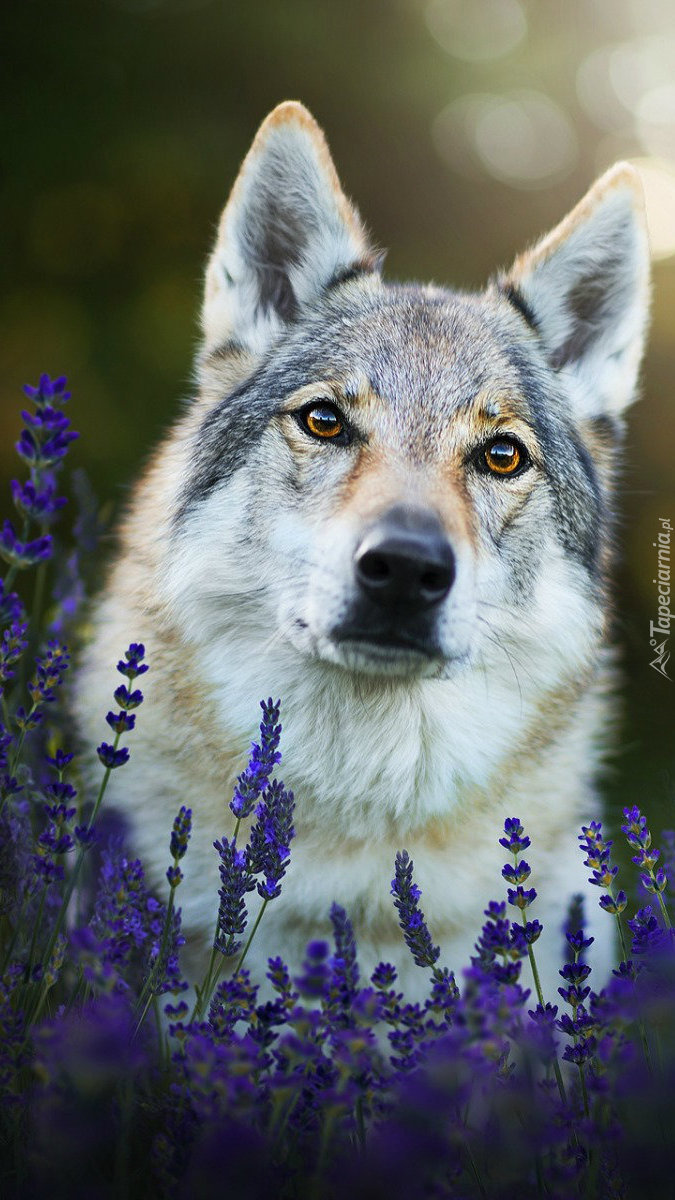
(405,560)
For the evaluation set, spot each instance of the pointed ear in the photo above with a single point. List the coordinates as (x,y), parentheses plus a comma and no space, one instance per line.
(585,290)
(287,233)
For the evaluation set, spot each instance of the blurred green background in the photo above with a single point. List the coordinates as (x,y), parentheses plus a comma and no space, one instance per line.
(463,129)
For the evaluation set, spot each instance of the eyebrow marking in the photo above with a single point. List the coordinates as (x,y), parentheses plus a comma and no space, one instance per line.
(517,301)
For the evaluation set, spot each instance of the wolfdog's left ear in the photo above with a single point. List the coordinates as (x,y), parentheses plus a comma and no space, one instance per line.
(287,233)
(585,289)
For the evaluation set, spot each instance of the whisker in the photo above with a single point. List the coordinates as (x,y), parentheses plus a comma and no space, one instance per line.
(496,641)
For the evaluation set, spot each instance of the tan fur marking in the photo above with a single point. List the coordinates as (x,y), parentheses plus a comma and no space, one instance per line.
(291,112)
(621,175)
(432,764)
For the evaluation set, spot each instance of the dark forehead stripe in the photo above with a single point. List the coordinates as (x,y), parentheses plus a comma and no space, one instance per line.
(412,347)
(313,349)
(232,429)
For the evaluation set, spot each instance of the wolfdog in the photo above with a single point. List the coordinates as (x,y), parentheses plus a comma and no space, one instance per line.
(392,506)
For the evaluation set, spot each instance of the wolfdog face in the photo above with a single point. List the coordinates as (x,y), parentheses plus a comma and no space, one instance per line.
(404,481)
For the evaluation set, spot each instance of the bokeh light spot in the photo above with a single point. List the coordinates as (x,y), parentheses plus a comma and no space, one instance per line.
(477,30)
(658,181)
(522,138)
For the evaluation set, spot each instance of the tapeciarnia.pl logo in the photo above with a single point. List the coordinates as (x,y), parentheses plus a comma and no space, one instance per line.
(659,630)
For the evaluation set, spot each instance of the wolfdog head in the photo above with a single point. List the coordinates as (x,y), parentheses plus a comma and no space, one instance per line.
(404,481)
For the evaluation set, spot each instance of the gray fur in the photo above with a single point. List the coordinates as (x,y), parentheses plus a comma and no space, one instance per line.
(426,356)
(237,560)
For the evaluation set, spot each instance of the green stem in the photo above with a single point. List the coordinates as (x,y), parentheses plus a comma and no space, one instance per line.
(151,981)
(40,1004)
(584,1092)
(213,973)
(104,784)
(622,938)
(251,935)
(203,993)
(324,1143)
(10,577)
(125,1094)
(14,570)
(34,624)
(474,1168)
(14,936)
(664,911)
(74,875)
(161,1036)
(360,1125)
(33,942)
(535,974)
(38,597)
(77,991)
(14,761)
(540,997)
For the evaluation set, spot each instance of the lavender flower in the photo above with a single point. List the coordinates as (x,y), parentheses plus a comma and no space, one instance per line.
(128,699)
(499,949)
(653,879)
(315,970)
(43,442)
(68,594)
(131,666)
(68,589)
(59,761)
(50,670)
(575,940)
(48,391)
(11,608)
(121,722)
(648,934)
(597,850)
(122,914)
(37,503)
(268,851)
(574,975)
(139,937)
(542,1034)
(279,976)
(262,760)
(235,882)
(514,841)
(12,646)
(384,976)
(112,758)
(180,834)
(19,553)
(344,965)
(411,918)
(46,437)
(234,1000)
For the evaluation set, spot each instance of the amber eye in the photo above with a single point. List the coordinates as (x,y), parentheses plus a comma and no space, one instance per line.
(504,456)
(322,421)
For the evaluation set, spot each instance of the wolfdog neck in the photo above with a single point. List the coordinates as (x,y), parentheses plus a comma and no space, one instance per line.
(367,755)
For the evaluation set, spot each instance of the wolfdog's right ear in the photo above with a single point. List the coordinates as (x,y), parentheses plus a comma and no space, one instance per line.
(287,232)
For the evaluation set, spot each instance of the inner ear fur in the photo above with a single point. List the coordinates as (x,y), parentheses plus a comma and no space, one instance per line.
(286,234)
(584,288)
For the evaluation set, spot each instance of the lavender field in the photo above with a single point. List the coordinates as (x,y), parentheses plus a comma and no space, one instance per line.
(121,1078)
